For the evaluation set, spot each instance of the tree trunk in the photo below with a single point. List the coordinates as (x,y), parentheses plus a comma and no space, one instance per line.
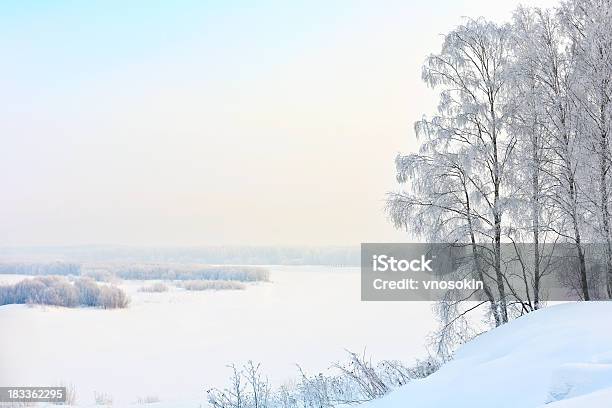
(584,283)
(497,220)
(582,265)
(535,209)
(477,265)
(604,202)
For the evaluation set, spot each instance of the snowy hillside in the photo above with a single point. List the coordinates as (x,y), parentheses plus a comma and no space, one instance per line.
(560,357)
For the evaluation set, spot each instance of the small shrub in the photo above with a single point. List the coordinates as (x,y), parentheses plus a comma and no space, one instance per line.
(157,287)
(112,297)
(71,398)
(149,399)
(345,384)
(101,398)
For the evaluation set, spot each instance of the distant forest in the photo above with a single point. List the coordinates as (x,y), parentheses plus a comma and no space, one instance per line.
(220,255)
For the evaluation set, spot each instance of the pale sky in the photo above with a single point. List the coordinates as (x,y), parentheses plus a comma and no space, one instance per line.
(212,122)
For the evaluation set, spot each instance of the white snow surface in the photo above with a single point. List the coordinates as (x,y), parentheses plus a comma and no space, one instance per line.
(558,357)
(175,345)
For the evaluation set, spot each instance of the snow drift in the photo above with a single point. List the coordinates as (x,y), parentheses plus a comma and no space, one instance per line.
(559,357)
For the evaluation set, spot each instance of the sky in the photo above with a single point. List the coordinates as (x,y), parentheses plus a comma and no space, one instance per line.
(212,122)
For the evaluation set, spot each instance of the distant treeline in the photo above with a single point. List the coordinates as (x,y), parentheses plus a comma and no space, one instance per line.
(107,273)
(185,272)
(52,268)
(59,291)
(198,285)
(219,255)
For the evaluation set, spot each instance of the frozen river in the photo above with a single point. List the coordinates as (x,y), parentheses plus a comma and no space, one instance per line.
(174,345)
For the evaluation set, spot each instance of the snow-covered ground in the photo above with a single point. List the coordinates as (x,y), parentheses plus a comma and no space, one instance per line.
(173,345)
(559,357)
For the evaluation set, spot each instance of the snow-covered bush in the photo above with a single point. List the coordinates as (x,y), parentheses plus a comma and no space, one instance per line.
(211,285)
(101,398)
(157,287)
(149,399)
(59,291)
(354,381)
(112,297)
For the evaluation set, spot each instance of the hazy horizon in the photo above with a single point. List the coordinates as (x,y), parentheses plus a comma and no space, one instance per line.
(199,124)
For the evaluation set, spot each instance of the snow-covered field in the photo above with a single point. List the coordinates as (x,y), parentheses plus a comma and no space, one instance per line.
(173,345)
(560,357)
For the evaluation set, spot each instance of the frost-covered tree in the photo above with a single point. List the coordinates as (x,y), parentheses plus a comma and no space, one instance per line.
(588,26)
(518,151)
(440,207)
(469,132)
(532,207)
